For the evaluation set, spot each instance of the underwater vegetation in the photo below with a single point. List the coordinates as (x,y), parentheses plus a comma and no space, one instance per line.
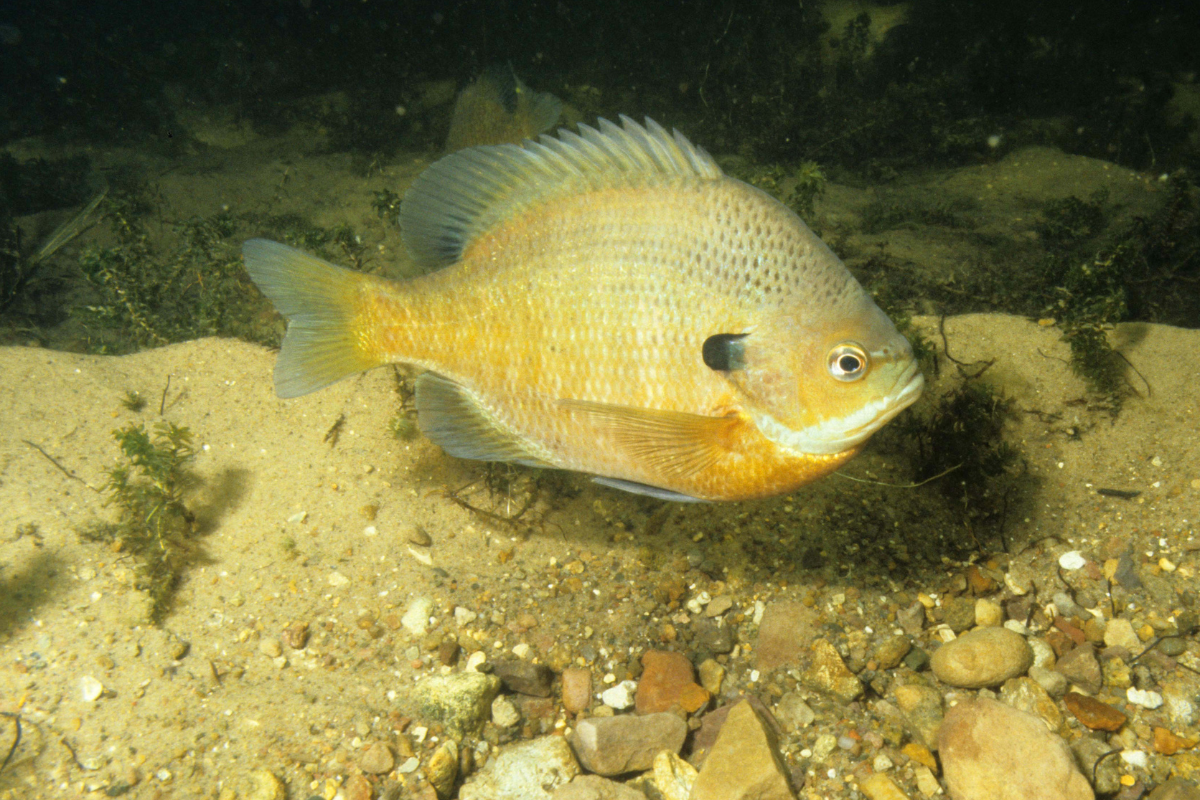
(153,525)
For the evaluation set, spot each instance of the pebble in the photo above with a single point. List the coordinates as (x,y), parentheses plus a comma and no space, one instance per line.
(295,635)
(377,759)
(983,657)
(613,745)
(90,689)
(958,613)
(416,535)
(927,782)
(416,616)
(1055,683)
(921,707)
(786,626)
(576,689)
(1144,698)
(528,770)
(744,762)
(461,701)
(442,769)
(912,619)
(1178,701)
(1026,694)
(671,778)
(356,787)
(668,680)
(263,785)
(620,696)
(270,647)
(1072,560)
(464,616)
(793,712)
(1081,668)
(522,677)
(988,614)
(891,651)
(719,605)
(593,787)
(1176,788)
(1169,743)
(504,713)
(824,746)
(337,579)
(1094,714)
(828,673)
(1119,633)
(712,675)
(990,750)
(881,787)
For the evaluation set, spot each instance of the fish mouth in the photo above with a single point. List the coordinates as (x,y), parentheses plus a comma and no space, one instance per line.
(836,436)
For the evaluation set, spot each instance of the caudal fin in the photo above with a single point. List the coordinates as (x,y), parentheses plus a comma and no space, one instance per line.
(322,304)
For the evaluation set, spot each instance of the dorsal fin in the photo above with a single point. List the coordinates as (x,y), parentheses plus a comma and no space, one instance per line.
(466,193)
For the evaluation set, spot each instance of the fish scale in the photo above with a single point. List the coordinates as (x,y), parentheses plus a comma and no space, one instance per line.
(579,280)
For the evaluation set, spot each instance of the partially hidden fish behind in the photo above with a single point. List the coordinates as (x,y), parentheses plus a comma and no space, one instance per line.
(608,302)
(498,108)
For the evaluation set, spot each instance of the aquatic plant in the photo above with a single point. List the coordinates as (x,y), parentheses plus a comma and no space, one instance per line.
(153,525)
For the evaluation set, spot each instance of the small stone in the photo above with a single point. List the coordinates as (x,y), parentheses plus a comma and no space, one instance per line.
(891,651)
(921,707)
(1178,701)
(295,635)
(593,787)
(1094,714)
(990,751)
(464,616)
(988,614)
(671,778)
(461,701)
(1144,698)
(785,627)
(927,783)
(823,747)
(262,784)
(1081,668)
(919,753)
(912,618)
(983,657)
(522,677)
(1072,560)
(442,769)
(448,652)
(668,680)
(881,787)
(613,745)
(1119,633)
(1169,743)
(744,761)
(1177,788)
(528,770)
(712,675)
(337,579)
(416,616)
(1026,694)
(828,673)
(958,613)
(620,696)
(882,763)
(415,534)
(576,689)
(504,713)
(1055,683)
(90,689)
(793,712)
(719,605)
(377,759)
(357,787)
(270,647)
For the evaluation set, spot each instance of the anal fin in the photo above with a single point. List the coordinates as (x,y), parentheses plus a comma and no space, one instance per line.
(453,418)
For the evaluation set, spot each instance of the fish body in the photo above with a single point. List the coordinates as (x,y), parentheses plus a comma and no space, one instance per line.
(609,303)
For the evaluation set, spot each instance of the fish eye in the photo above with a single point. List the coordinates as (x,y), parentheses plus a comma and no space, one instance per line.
(848,362)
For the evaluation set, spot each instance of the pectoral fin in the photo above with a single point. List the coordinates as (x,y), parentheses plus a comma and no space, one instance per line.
(456,420)
(674,444)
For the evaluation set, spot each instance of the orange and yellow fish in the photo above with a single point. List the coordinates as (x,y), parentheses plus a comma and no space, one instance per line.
(608,302)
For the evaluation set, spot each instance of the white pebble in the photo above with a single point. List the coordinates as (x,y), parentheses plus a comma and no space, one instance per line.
(416,617)
(90,688)
(464,616)
(882,763)
(1071,560)
(298,517)
(337,579)
(1135,758)
(475,661)
(370,530)
(421,554)
(409,766)
(620,696)
(521,650)
(1144,698)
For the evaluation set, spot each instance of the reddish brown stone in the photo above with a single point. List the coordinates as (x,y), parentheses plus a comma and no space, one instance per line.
(1077,636)
(1169,743)
(668,680)
(979,583)
(1094,714)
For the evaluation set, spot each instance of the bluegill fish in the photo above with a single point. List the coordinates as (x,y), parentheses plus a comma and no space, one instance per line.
(608,302)
(498,108)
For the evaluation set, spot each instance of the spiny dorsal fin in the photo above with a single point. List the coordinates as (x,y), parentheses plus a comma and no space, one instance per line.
(466,193)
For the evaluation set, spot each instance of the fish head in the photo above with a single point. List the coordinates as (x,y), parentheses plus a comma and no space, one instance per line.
(824,386)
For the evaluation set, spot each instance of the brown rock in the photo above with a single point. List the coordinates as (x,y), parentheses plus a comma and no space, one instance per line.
(1081,668)
(1094,714)
(828,673)
(613,745)
(357,787)
(1169,743)
(593,787)
(983,657)
(991,751)
(891,651)
(744,762)
(295,635)
(668,680)
(377,759)
(979,583)
(576,689)
(783,635)
(1176,789)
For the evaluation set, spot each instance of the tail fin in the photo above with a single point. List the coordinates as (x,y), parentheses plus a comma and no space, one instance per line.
(322,304)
